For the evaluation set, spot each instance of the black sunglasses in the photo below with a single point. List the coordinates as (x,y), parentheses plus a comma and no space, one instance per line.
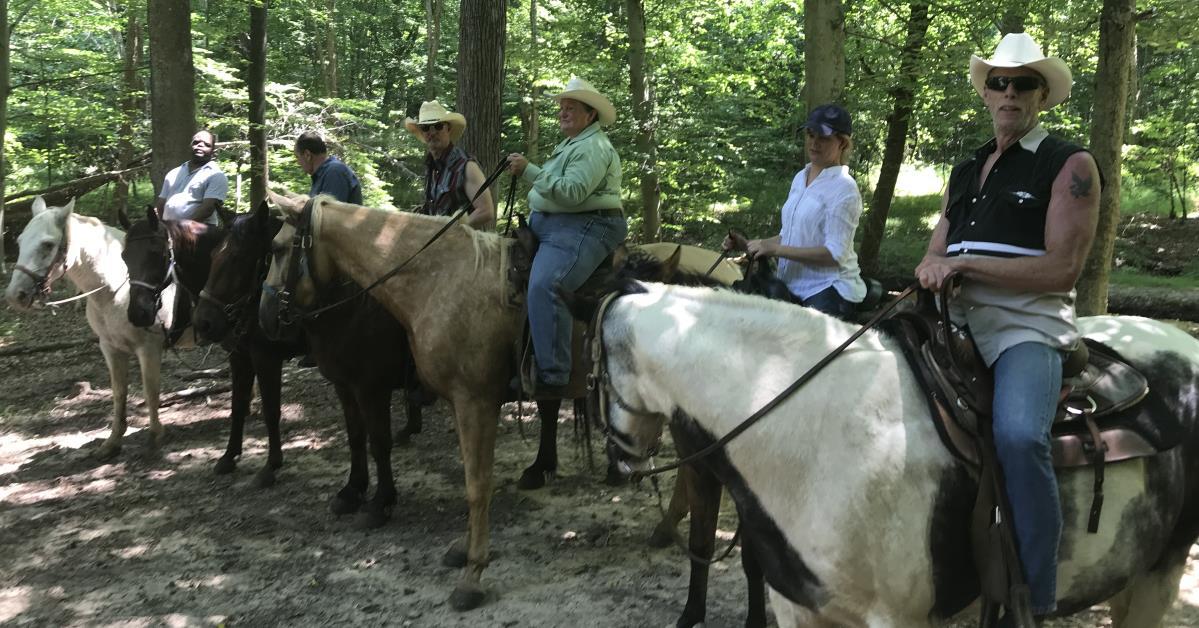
(436,126)
(1021,83)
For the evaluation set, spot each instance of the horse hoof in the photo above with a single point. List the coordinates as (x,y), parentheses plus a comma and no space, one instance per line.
(615,478)
(532,479)
(371,519)
(467,597)
(225,465)
(264,478)
(455,557)
(340,505)
(108,452)
(660,538)
(402,438)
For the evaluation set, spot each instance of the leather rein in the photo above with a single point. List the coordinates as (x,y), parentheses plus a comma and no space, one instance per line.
(599,384)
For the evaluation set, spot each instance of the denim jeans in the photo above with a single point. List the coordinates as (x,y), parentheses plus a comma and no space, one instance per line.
(1028,380)
(830,302)
(572,247)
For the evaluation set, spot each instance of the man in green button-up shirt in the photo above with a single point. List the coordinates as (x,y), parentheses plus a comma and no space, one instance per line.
(575,211)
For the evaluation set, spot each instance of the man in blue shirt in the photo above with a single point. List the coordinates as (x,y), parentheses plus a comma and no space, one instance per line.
(330,175)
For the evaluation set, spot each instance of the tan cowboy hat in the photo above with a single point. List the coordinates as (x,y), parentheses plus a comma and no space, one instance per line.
(432,112)
(582,91)
(1018,50)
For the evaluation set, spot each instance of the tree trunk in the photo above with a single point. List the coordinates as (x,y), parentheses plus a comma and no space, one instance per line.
(903,95)
(329,67)
(172,86)
(643,114)
(5,71)
(824,52)
(532,117)
(433,10)
(130,106)
(256,84)
(1015,12)
(1116,36)
(481,77)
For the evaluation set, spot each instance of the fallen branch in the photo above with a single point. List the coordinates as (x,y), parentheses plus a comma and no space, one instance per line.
(50,346)
(212,373)
(180,396)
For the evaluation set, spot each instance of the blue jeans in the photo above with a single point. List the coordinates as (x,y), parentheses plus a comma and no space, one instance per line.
(1028,381)
(572,247)
(830,302)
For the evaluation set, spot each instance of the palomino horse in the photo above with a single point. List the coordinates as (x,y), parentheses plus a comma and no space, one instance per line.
(160,253)
(450,299)
(858,513)
(58,242)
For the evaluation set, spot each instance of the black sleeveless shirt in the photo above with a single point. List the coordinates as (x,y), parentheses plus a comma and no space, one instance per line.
(445,182)
(1006,217)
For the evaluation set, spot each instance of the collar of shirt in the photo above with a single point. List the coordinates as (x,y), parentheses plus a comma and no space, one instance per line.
(433,163)
(591,129)
(1030,142)
(831,172)
(187,166)
(316,174)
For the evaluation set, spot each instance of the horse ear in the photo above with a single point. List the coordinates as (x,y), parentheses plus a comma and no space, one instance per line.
(70,206)
(671,266)
(152,216)
(226,215)
(620,257)
(39,205)
(123,218)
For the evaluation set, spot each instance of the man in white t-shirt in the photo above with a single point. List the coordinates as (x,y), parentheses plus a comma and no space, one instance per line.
(197,188)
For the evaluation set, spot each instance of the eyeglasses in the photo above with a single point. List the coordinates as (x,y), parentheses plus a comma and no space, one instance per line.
(1021,83)
(436,126)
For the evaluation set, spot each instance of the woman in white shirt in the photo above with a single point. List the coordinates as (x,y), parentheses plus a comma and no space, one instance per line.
(815,245)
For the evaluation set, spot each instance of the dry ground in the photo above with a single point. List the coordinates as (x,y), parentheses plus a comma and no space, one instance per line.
(154,538)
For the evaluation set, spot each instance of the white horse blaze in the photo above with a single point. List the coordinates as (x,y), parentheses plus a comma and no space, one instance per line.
(850,468)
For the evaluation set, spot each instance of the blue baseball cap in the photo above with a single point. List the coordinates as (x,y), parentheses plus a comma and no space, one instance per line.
(828,119)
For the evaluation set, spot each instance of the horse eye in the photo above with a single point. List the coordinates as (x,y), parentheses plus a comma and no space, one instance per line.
(46,246)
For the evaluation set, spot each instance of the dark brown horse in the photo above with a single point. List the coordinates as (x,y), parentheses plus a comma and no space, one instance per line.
(162,252)
(358,347)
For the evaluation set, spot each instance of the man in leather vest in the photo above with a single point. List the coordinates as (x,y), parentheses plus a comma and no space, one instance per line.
(1017,221)
(451,176)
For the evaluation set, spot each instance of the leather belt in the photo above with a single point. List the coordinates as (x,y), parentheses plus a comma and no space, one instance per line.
(606,213)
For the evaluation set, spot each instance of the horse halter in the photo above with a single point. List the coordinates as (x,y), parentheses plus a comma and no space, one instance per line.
(43,283)
(600,389)
(171,275)
(290,314)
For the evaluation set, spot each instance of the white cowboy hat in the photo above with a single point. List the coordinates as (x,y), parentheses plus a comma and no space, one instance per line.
(582,91)
(432,112)
(1018,50)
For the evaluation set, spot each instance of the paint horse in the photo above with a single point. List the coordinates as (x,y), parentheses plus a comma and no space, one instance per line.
(857,511)
(163,253)
(57,243)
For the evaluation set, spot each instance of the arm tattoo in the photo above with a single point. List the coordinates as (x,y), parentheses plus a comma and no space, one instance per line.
(1081,186)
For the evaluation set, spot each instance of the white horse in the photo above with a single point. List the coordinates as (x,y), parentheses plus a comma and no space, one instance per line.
(58,242)
(859,513)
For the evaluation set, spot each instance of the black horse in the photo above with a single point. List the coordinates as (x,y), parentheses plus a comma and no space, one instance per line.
(358,346)
(161,252)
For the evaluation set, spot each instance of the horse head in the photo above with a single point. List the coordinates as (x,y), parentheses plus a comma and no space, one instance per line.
(42,251)
(235,276)
(149,256)
(297,264)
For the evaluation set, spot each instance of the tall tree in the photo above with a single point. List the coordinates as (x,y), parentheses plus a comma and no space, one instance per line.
(131,101)
(329,63)
(1015,12)
(530,108)
(643,115)
(903,97)
(433,11)
(824,52)
(484,25)
(6,30)
(256,85)
(172,85)
(1116,36)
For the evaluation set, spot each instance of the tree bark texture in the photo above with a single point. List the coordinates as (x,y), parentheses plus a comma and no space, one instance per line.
(532,118)
(903,96)
(329,64)
(643,115)
(824,52)
(483,24)
(433,11)
(172,86)
(5,75)
(1116,37)
(1015,12)
(131,104)
(256,85)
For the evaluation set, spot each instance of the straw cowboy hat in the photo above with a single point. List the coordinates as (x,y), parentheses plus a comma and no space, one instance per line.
(1018,50)
(582,91)
(432,112)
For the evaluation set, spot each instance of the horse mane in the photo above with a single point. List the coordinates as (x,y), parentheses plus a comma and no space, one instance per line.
(483,242)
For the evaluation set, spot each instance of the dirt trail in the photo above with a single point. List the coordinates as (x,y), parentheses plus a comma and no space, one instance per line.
(155,538)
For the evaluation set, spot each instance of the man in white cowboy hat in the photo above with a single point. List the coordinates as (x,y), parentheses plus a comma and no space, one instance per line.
(1017,221)
(575,211)
(451,176)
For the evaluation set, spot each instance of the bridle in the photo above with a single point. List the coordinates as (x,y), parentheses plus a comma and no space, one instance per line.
(171,275)
(43,283)
(600,387)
